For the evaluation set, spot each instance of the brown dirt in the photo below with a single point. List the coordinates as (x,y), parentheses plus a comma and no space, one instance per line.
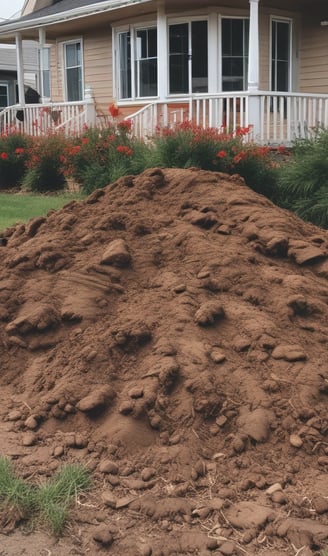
(170,332)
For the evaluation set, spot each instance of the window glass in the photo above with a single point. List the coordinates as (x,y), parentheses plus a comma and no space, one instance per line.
(73,71)
(3,95)
(234,41)
(280,48)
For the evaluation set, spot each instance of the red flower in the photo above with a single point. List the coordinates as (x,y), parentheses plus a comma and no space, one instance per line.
(19,150)
(125,125)
(113,110)
(124,150)
(85,140)
(4,156)
(221,154)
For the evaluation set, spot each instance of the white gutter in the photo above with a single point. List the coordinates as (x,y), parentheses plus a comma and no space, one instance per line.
(68,15)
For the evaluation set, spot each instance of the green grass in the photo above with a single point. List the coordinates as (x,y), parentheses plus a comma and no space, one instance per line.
(47,503)
(15,208)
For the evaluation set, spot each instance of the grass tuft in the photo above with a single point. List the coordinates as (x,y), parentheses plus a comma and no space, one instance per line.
(47,503)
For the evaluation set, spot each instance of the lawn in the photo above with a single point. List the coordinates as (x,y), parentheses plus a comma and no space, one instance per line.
(16,208)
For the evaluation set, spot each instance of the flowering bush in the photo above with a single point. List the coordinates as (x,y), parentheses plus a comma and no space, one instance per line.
(45,164)
(13,157)
(188,145)
(101,156)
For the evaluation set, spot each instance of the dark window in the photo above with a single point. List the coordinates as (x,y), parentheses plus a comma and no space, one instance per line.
(234,42)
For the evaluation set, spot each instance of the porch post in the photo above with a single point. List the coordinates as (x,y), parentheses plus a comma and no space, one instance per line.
(253,68)
(162,59)
(20,69)
(42,68)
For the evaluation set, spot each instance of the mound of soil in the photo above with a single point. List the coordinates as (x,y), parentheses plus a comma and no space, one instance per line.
(170,332)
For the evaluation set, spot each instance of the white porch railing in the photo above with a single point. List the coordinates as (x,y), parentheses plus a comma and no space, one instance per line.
(40,119)
(275,118)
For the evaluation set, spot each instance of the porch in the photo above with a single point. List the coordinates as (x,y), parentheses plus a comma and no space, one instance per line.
(275,118)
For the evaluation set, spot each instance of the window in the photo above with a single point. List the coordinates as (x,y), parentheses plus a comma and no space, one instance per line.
(188,57)
(44,65)
(137,61)
(4,99)
(234,41)
(280,55)
(73,70)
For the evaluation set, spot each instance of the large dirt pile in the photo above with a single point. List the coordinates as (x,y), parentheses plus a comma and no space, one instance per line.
(171,332)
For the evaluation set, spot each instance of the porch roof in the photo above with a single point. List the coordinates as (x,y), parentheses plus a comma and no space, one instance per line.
(74,15)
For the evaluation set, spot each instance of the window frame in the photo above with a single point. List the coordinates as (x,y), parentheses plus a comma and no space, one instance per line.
(288,21)
(65,81)
(6,85)
(134,60)
(245,53)
(186,21)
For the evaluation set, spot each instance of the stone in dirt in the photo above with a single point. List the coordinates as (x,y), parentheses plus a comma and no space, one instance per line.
(169,333)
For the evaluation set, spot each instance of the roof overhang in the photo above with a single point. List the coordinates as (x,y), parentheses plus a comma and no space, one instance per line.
(101,12)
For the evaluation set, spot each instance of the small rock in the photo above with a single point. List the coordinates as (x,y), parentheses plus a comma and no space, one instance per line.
(58,451)
(98,399)
(108,499)
(238,445)
(227,548)
(175,439)
(209,313)
(148,473)
(126,407)
(295,440)
(145,550)
(117,254)
(14,415)
(180,288)
(31,423)
(217,356)
(323,460)
(320,505)
(136,392)
(273,488)
(279,497)
(29,439)
(80,440)
(108,466)
(103,536)
(113,480)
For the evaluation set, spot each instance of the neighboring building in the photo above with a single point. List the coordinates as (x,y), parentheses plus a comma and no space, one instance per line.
(8,71)
(227,62)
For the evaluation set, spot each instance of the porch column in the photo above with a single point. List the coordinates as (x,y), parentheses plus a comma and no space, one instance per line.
(162,58)
(42,68)
(20,69)
(253,68)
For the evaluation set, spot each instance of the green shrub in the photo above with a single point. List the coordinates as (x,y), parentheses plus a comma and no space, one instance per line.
(303,182)
(14,153)
(187,145)
(101,156)
(45,164)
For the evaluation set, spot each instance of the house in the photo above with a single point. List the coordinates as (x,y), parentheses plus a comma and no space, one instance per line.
(8,71)
(218,62)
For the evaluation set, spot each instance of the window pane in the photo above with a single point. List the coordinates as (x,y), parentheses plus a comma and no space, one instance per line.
(178,63)
(234,54)
(46,83)
(3,96)
(199,69)
(125,65)
(148,78)
(74,84)
(73,55)
(146,62)
(280,55)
